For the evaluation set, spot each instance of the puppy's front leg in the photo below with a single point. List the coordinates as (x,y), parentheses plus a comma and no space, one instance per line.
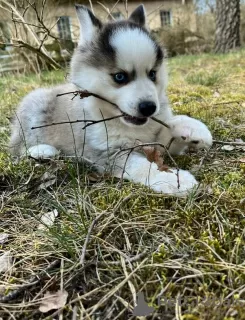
(138,169)
(187,132)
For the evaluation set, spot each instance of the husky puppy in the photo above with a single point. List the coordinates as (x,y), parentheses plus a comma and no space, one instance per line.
(121,62)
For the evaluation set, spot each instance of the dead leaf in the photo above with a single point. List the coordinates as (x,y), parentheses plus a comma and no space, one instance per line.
(53,300)
(94,177)
(216,94)
(239,140)
(48,180)
(3,129)
(150,153)
(216,162)
(154,155)
(46,184)
(242,160)
(6,262)
(227,147)
(3,237)
(47,220)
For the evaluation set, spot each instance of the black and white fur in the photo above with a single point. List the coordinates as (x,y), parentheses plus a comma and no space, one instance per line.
(104,53)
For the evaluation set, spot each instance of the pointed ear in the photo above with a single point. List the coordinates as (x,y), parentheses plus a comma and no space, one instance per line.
(89,24)
(139,16)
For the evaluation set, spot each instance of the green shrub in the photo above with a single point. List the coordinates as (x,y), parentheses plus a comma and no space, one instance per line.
(179,40)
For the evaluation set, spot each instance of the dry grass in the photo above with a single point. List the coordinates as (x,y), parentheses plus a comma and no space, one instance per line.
(189,251)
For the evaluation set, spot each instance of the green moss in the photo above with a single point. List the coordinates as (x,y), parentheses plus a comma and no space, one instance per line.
(195,246)
(204,78)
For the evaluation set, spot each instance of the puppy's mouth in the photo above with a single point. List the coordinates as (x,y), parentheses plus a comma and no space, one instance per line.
(134,120)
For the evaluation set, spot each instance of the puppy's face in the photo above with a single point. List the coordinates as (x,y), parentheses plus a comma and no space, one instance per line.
(121,62)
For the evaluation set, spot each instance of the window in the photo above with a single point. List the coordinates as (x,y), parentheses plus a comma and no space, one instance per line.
(165,18)
(117,15)
(64,28)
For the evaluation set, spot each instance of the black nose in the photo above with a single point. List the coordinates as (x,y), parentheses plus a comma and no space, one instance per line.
(147,108)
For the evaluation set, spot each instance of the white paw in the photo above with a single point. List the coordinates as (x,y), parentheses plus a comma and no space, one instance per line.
(191,132)
(178,184)
(42,151)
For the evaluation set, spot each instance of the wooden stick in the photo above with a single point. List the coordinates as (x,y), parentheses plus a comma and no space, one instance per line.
(231,143)
(89,122)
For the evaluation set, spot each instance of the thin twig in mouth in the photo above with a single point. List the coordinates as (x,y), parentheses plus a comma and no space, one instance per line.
(85,94)
(88,122)
(161,122)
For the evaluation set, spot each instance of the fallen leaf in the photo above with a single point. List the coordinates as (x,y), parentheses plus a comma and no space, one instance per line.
(150,153)
(239,140)
(47,220)
(3,237)
(216,162)
(154,155)
(6,262)
(227,147)
(46,184)
(48,180)
(94,177)
(3,129)
(242,160)
(53,300)
(216,94)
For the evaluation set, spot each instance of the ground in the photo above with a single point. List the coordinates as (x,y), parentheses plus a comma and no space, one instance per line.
(187,256)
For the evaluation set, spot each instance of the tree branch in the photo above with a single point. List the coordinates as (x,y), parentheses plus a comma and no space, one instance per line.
(89,122)
(231,143)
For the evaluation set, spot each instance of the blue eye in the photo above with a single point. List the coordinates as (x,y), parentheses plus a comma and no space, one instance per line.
(152,75)
(120,78)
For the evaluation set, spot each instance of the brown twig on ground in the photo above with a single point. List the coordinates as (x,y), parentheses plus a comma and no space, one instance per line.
(133,259)
(232,143)
(82,259)
(225,102)
(34,280)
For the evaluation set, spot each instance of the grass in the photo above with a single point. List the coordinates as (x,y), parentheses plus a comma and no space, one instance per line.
(186,255)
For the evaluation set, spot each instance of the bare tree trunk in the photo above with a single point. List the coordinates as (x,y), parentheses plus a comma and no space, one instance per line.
(227,25)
